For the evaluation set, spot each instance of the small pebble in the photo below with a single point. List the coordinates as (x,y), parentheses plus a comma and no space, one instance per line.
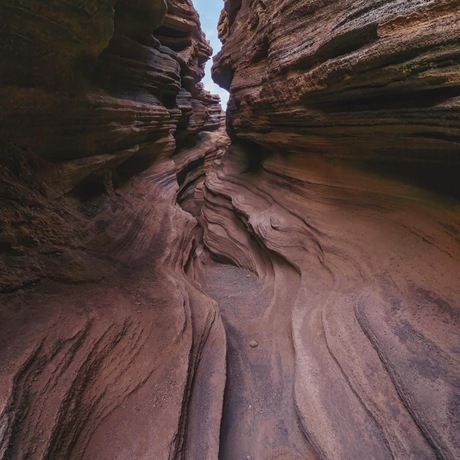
(274,222)
(253,344)
(248,276)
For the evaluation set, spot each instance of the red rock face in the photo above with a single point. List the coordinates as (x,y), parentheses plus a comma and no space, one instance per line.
(355,79)
(331,105)
(104,337)
(334,334)
(357,352)
(101,85)
(91,103)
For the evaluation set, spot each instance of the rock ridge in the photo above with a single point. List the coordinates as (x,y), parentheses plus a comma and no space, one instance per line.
(370,80)
(109,346)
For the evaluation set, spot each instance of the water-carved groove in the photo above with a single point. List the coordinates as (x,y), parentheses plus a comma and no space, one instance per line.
(286,290)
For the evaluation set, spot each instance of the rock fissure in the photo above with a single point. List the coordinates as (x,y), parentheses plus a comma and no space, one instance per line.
(282,287)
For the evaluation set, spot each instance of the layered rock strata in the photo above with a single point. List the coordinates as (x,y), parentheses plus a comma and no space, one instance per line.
(335,332)
(356,79)
(109,347)
(91,97)
(345,124)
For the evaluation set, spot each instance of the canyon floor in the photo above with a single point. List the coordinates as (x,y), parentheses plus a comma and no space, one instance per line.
(255,414)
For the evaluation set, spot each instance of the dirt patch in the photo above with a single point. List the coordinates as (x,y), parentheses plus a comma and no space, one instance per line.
(254,424)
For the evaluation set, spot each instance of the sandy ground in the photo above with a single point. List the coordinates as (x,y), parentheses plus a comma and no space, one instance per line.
(255,424)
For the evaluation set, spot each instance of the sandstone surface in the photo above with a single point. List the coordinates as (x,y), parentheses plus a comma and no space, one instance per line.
(341,192)
(293,295)
(108,346)
(368,79)
(358,344)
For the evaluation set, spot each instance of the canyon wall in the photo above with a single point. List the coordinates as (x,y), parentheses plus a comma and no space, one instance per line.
(341,191)
(371,80)
(108,348)
(334,334)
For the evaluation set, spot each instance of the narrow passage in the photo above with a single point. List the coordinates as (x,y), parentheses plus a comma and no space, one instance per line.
(242,302)
(253,425)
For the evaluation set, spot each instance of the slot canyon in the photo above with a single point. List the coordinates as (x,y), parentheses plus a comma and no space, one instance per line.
(280,281)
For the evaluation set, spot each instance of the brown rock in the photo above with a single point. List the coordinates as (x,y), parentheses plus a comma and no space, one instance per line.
(117,184)
(93,93)
(364,296)
(331,105)
(355,79)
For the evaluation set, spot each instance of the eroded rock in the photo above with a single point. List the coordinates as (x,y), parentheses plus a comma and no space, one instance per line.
(336,110)
(357,79)
(104,338)
(114,169)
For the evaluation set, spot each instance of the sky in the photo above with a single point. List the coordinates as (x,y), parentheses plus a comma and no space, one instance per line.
(209,11)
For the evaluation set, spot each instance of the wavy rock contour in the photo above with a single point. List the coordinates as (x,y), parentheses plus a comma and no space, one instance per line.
(293,295)
(109,347)
(344,118)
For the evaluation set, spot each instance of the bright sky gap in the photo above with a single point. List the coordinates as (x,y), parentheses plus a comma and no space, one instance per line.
(209,11)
